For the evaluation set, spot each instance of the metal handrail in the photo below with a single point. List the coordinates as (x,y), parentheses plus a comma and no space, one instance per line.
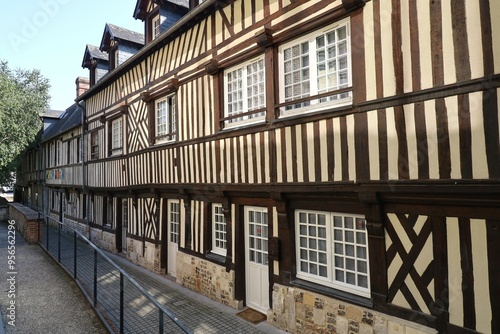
(123,274)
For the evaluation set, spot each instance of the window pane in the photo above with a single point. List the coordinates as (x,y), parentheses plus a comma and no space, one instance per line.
(323,271)
(322,258)
(303,242)
(361,252)
(303,254)
(322,245)
(339,262)
(362,281)
(342,48)
(350,278)
(320,41)
(350,264)
(342,33)
(322,232)
(312,231)
(339,275)
(362,267)
(349,250)
(361,238)
(360,224)
(339,248)
(349,236)
(303,230)
(304,267)
(313,256)
(320,56)
(349,222)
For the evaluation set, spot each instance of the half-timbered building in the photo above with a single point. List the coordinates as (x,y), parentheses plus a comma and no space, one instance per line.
(29,174)
(333,164)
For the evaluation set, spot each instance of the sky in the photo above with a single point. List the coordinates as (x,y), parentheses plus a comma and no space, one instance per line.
(51,36)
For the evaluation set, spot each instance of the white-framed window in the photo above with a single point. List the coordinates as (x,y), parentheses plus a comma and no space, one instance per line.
(165,119)
(156,23)
(51,157)
(125,213)
(219,235)
(245,92)
(73,205)
(94,145)
(117,136)
(315,64)
(80,149)
(108,211)
(332,250)
(58,153)
(174,220)
(55,205)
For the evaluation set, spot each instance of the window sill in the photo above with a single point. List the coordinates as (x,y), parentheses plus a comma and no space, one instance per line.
(216,257)
(317,108)
(241,127)
(163,142)
(243,124)
(333,293)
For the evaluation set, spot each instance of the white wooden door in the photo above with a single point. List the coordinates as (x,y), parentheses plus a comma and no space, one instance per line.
(174,216)
(257,270)
(124,224)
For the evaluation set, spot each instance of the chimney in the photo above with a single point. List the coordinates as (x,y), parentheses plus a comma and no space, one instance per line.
(82,84)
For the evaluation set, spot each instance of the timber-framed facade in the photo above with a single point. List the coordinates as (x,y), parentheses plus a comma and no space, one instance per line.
(333,164)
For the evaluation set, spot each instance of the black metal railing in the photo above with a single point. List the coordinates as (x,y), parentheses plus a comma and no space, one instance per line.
(123,305)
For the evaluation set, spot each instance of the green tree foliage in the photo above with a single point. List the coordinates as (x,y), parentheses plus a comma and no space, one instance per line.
(24,94)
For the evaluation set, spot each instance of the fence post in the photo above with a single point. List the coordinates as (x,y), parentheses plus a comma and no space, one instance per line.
(95,277)
(161,322)
(74,254)
(47,224)
(38,228)
(121,303)
(59,243)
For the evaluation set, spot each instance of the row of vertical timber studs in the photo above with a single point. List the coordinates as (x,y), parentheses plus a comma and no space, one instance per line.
(395,146)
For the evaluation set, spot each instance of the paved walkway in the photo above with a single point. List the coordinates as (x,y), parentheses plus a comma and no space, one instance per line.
(199,313)
(46,299)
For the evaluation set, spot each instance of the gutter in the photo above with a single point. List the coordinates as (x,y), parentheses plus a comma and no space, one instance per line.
(149,47)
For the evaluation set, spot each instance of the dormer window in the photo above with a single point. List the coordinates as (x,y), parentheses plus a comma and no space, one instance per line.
(97,63)
(156,25)
(159,16)
(120,44)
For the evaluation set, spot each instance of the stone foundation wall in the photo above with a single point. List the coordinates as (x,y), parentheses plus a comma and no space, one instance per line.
(147,257)
(300,311)
(207,278)
(82,228)
(103,240)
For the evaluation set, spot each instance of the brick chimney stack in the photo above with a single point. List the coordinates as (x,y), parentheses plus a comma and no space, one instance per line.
(82,84)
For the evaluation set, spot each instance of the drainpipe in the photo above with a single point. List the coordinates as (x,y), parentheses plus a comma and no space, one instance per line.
(84,170)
